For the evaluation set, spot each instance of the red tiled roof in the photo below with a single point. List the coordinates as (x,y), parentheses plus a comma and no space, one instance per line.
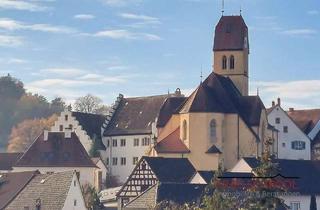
(230,33)
(57,151)
(12,185)
(172,144)
(305,119)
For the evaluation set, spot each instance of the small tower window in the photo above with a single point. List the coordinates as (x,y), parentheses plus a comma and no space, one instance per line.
(231,62)
(224,62)
(184,130)
(213,130)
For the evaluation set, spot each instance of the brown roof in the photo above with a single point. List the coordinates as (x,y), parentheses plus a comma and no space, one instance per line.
(305,119)
(172,144)
(57,151)
(230,33)
(135,115)
(7,160)
(218,94)
(11,185)
(169,107)
(51,189)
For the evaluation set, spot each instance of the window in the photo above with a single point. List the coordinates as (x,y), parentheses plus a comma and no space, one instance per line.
(231,62)
(145,141)
(74,183)
(213,130)
(66,117)
(224,62)
(135,160)
(61,128)
(114,143)
(135,142)
(74,202)
(70,127)
(283,144)
(184,130)
(285,129)
(108,143)
(123,161)
(298,145)
(295,205)
(278,120)
(122,142)
(114,161)
(107,161)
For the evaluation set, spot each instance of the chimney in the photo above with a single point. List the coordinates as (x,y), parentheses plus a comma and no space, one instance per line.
(279,102)
(45,135)
(273,103)
(67,133)
(291,109)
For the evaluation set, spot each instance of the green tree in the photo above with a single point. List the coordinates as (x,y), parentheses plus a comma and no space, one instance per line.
(91,197)
(94,152)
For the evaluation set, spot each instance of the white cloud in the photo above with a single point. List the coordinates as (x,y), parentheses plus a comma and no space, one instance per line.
(313,12)
(21,5)
(303,31)
(16,61)
(138,17)
(10,41)
(62,72)
(120,3)
(301,93)
(12,25)
(84,16)
(125,34)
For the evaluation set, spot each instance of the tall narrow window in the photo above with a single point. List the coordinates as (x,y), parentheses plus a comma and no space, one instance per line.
(213,130)
(184,130)
(224,62)
(231,62)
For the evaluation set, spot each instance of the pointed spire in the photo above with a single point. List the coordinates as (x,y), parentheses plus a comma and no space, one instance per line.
(222,9)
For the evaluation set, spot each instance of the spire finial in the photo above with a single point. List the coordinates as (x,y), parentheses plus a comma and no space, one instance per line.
(222,9)
(201,75)
(240,8)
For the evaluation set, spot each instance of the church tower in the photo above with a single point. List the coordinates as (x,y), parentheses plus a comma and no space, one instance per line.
(231,51)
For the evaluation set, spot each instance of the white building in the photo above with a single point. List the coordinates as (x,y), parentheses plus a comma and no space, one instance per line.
(59,191)
(129,132)
(293,143)
(87,127)
(54,152)
(306,181)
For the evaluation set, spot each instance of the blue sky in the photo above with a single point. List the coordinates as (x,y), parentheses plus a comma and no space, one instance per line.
(69,48)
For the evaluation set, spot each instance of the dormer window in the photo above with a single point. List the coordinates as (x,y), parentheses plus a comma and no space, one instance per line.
(231,62)
(224,62)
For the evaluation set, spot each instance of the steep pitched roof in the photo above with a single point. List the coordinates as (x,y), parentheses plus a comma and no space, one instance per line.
(168,108)
(218,94)
(7,160)
(11,185)
(178,170)
(230,33)
(307,173)
(305,119)
(57,151)
(172,144)
(51,189)
(135,115)
(92,124)
(180,193)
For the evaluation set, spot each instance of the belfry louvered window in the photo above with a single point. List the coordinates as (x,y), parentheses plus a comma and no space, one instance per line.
(224,62)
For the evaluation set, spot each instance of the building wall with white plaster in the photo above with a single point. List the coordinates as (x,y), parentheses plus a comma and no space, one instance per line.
(74,200)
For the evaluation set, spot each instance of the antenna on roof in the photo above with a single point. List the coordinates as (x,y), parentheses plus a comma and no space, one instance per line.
(222,9)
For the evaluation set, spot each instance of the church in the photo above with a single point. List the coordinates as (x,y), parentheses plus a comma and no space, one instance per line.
(219,123)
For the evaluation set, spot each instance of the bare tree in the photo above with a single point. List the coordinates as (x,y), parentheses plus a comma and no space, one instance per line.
(88,104)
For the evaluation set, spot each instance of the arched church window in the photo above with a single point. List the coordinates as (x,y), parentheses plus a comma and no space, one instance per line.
(224,62)
(184,130)
(231,62)
(213,130)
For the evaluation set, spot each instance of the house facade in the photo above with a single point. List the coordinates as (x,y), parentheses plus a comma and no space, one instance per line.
(54,152)
(308,120)
(293,143)
(87,127)
(218,122)
(129,132)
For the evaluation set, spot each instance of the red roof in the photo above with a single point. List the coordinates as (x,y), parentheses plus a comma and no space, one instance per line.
(230,33)
(305,119)
(172,144)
